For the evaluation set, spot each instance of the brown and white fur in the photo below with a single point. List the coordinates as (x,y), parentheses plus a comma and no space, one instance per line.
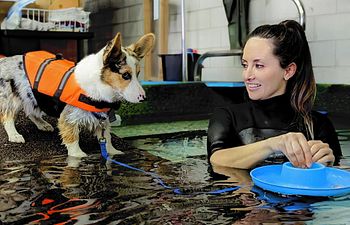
(110,75)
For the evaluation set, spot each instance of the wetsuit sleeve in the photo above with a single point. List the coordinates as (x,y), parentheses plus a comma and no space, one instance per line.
(325,132)
(221,131)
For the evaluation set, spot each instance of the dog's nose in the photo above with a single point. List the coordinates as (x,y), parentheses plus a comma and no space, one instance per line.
(142,98)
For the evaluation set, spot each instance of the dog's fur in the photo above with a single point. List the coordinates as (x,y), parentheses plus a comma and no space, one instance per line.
(109,75)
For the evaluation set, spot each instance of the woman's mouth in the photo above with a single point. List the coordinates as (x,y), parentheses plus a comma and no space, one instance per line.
(253,86)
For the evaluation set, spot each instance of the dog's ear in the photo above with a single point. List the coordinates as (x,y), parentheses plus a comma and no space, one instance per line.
(143,45)
(113,48)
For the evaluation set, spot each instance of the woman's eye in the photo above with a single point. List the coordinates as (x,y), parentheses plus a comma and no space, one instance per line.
(259,66)
(244,65)
(126,76)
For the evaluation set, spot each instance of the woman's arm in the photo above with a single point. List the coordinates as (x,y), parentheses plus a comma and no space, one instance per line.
(242,157)
(293,145)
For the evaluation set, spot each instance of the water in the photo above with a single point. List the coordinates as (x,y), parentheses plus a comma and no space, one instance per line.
(93,191)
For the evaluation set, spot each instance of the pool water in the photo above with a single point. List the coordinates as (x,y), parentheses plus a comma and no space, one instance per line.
(62,190)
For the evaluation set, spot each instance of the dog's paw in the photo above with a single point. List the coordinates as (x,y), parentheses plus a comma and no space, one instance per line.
(45,127)
(74,150)
(112,151)
(17,138)
(76,153)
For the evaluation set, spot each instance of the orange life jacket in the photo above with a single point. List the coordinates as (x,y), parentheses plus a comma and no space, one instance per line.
(54,76)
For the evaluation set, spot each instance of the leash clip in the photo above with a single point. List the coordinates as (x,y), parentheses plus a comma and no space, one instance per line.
(103,125)
(102,140)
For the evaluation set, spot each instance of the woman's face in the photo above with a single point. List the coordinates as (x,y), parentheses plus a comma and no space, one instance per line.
(262,74)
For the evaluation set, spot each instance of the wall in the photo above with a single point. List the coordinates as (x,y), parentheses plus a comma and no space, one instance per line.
(327,23)
(327,29)
(108,17)
(111,16)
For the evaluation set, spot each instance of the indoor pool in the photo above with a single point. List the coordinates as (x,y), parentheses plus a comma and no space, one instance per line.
(164,180)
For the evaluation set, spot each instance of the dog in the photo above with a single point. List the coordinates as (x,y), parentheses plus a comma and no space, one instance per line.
(105,79)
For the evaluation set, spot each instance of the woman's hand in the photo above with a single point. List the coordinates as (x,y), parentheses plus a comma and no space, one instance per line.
(321,152)
(295,147)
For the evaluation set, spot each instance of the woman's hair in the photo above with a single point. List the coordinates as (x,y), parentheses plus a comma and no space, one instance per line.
(291,46)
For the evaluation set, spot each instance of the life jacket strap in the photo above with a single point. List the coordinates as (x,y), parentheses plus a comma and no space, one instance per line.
(63,83)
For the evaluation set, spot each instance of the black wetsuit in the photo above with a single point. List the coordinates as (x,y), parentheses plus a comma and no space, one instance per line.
(252,121)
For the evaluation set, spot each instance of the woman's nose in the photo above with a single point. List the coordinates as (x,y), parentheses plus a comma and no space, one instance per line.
(248,74)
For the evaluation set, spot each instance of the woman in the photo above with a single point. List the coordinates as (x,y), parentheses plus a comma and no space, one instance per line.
(277,119)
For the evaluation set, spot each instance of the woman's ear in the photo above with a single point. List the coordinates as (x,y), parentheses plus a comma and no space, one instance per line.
(290,71)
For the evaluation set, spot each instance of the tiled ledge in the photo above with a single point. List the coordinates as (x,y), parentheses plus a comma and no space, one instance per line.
(175,101)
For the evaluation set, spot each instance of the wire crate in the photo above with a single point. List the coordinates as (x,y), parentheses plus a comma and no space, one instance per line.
(70,19)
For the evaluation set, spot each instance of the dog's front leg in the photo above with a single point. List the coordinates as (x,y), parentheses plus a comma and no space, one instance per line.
(40,123)
(69,132)
(104,131)
(12,133)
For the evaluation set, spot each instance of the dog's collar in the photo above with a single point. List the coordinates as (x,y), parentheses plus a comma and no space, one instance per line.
(99,104)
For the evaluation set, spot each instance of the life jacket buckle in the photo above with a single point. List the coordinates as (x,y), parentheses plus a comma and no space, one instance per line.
(59,56)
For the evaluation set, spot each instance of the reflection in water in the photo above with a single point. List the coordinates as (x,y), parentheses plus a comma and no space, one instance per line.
(93,191)
(332,212)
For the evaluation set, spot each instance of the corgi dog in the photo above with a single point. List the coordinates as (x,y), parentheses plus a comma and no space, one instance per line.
(103,79)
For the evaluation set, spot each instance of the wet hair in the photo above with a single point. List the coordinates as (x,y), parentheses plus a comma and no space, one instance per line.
(290,45)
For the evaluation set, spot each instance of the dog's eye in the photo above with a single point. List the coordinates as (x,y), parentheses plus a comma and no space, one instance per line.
(126,76)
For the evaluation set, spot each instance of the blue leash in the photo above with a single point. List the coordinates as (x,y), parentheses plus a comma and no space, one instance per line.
(105,155)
